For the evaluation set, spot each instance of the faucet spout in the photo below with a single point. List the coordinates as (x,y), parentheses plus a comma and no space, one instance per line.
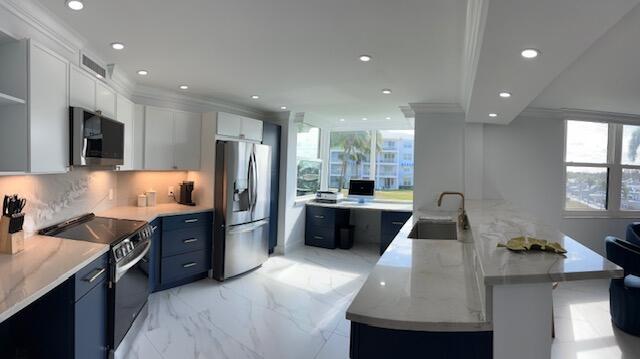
(463,220)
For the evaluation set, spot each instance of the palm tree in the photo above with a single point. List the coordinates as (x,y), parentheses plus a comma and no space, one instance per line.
(355,146)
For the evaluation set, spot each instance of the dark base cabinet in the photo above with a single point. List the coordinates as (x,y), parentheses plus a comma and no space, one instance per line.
(70,321)
(390,225)
(379,343)
(322,226)
(181,250)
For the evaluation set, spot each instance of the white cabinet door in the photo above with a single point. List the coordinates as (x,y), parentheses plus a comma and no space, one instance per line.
(158,139)
(82,92)
(124,114)
(186,140)
(105,100)
(229,124)
(251,129)
(48,111)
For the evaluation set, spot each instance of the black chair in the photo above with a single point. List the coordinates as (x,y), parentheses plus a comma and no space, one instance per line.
(624,293)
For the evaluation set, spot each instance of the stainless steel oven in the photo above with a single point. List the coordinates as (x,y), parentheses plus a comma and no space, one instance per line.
(96,140)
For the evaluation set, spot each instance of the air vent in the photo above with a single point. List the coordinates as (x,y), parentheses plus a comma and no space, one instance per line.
(91,65)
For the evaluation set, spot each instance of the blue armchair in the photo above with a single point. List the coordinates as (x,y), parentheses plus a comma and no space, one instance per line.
(624,293)
(633,233)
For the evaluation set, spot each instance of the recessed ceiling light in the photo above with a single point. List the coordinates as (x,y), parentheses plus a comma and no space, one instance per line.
(493,115)
(99,76)
(342,120)
(504,94)
(143,72)
(75,4)
(255,97)
(530,53)
(387,118)
(386,91)
(364,119)
(365,58)
(184,87)
(117,45)
(383,284)
(283,107)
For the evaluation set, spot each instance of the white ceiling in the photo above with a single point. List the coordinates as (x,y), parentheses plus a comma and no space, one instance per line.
(606,77)
(563,30)
(298,53)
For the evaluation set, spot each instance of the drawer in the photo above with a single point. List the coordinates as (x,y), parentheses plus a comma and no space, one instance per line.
(184,265)
(321,237)
(91,275)
(392,222)
(320,216)
(185,240)
(187,221)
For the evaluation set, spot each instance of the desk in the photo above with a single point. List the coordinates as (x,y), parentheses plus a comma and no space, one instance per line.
(323,221)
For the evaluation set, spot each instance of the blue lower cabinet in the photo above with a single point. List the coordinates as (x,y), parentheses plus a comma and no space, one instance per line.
(90,323)
(390,224)
(381,343)
(181,250)
(322,225)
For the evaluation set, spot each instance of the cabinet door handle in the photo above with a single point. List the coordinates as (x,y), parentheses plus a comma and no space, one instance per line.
(319,216)
(318,237)
(190,240)
(193,220)
(398,223)
(189,265)
(97,273)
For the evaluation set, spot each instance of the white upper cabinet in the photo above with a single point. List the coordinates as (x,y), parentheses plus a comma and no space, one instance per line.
(125,114)
(49,111)
(105,100)
(186,139)
(241,127)
(171,139)
(82,89)
(158,139)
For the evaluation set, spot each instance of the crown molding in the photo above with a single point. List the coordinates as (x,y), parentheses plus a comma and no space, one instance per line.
(433,109)
(146,95)
(580,115)
(474,30)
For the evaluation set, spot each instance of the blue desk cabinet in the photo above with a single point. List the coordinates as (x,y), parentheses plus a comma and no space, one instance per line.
(181,250)
(322,225)
(390,224)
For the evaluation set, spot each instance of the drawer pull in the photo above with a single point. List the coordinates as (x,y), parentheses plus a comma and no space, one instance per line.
(318,237)
(154,228)
(97,273)
(319,216)
(190,240)
(189,265)
(398,223)
(193,220)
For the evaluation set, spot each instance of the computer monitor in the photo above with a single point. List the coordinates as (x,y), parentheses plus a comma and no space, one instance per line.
(362,190)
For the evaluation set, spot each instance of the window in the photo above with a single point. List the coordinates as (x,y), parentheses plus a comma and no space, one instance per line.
(309,165)
(602,164)
(350,154)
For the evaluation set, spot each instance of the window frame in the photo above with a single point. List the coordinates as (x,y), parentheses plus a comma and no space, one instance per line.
(318,157)
(614,179)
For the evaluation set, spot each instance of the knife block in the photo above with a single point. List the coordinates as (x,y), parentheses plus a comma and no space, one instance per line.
(10,243)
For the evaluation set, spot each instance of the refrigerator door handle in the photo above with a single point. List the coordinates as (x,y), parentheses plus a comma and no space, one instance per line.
(248,227)
(250,183)
(255,180)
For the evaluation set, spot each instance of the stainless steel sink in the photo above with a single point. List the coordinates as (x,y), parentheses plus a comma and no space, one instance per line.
(431,229)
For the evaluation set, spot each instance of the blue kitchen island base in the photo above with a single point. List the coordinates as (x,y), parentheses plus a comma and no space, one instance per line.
(372,343)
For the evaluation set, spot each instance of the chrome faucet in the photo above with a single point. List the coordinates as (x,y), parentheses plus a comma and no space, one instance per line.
(463,220)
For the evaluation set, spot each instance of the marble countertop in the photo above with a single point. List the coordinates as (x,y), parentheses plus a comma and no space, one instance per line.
(374,205)
(498,221)
(45,263)
(150,213)
(441,285)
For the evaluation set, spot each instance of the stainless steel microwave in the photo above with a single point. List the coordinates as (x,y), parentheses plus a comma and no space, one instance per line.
(96,140)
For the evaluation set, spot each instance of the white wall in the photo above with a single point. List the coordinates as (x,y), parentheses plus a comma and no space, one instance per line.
(439,158)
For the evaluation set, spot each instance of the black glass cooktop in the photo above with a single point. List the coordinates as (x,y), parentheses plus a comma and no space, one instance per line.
(94,229)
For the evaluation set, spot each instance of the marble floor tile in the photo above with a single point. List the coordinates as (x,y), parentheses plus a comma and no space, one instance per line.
(294,307)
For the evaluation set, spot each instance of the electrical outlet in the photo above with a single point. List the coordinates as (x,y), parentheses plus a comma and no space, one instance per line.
(170,192)
(110,194)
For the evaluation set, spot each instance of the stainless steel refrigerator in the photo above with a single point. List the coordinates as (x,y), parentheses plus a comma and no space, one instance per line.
(241,200)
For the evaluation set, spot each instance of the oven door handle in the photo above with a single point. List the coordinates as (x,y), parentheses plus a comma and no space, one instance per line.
(121,270)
